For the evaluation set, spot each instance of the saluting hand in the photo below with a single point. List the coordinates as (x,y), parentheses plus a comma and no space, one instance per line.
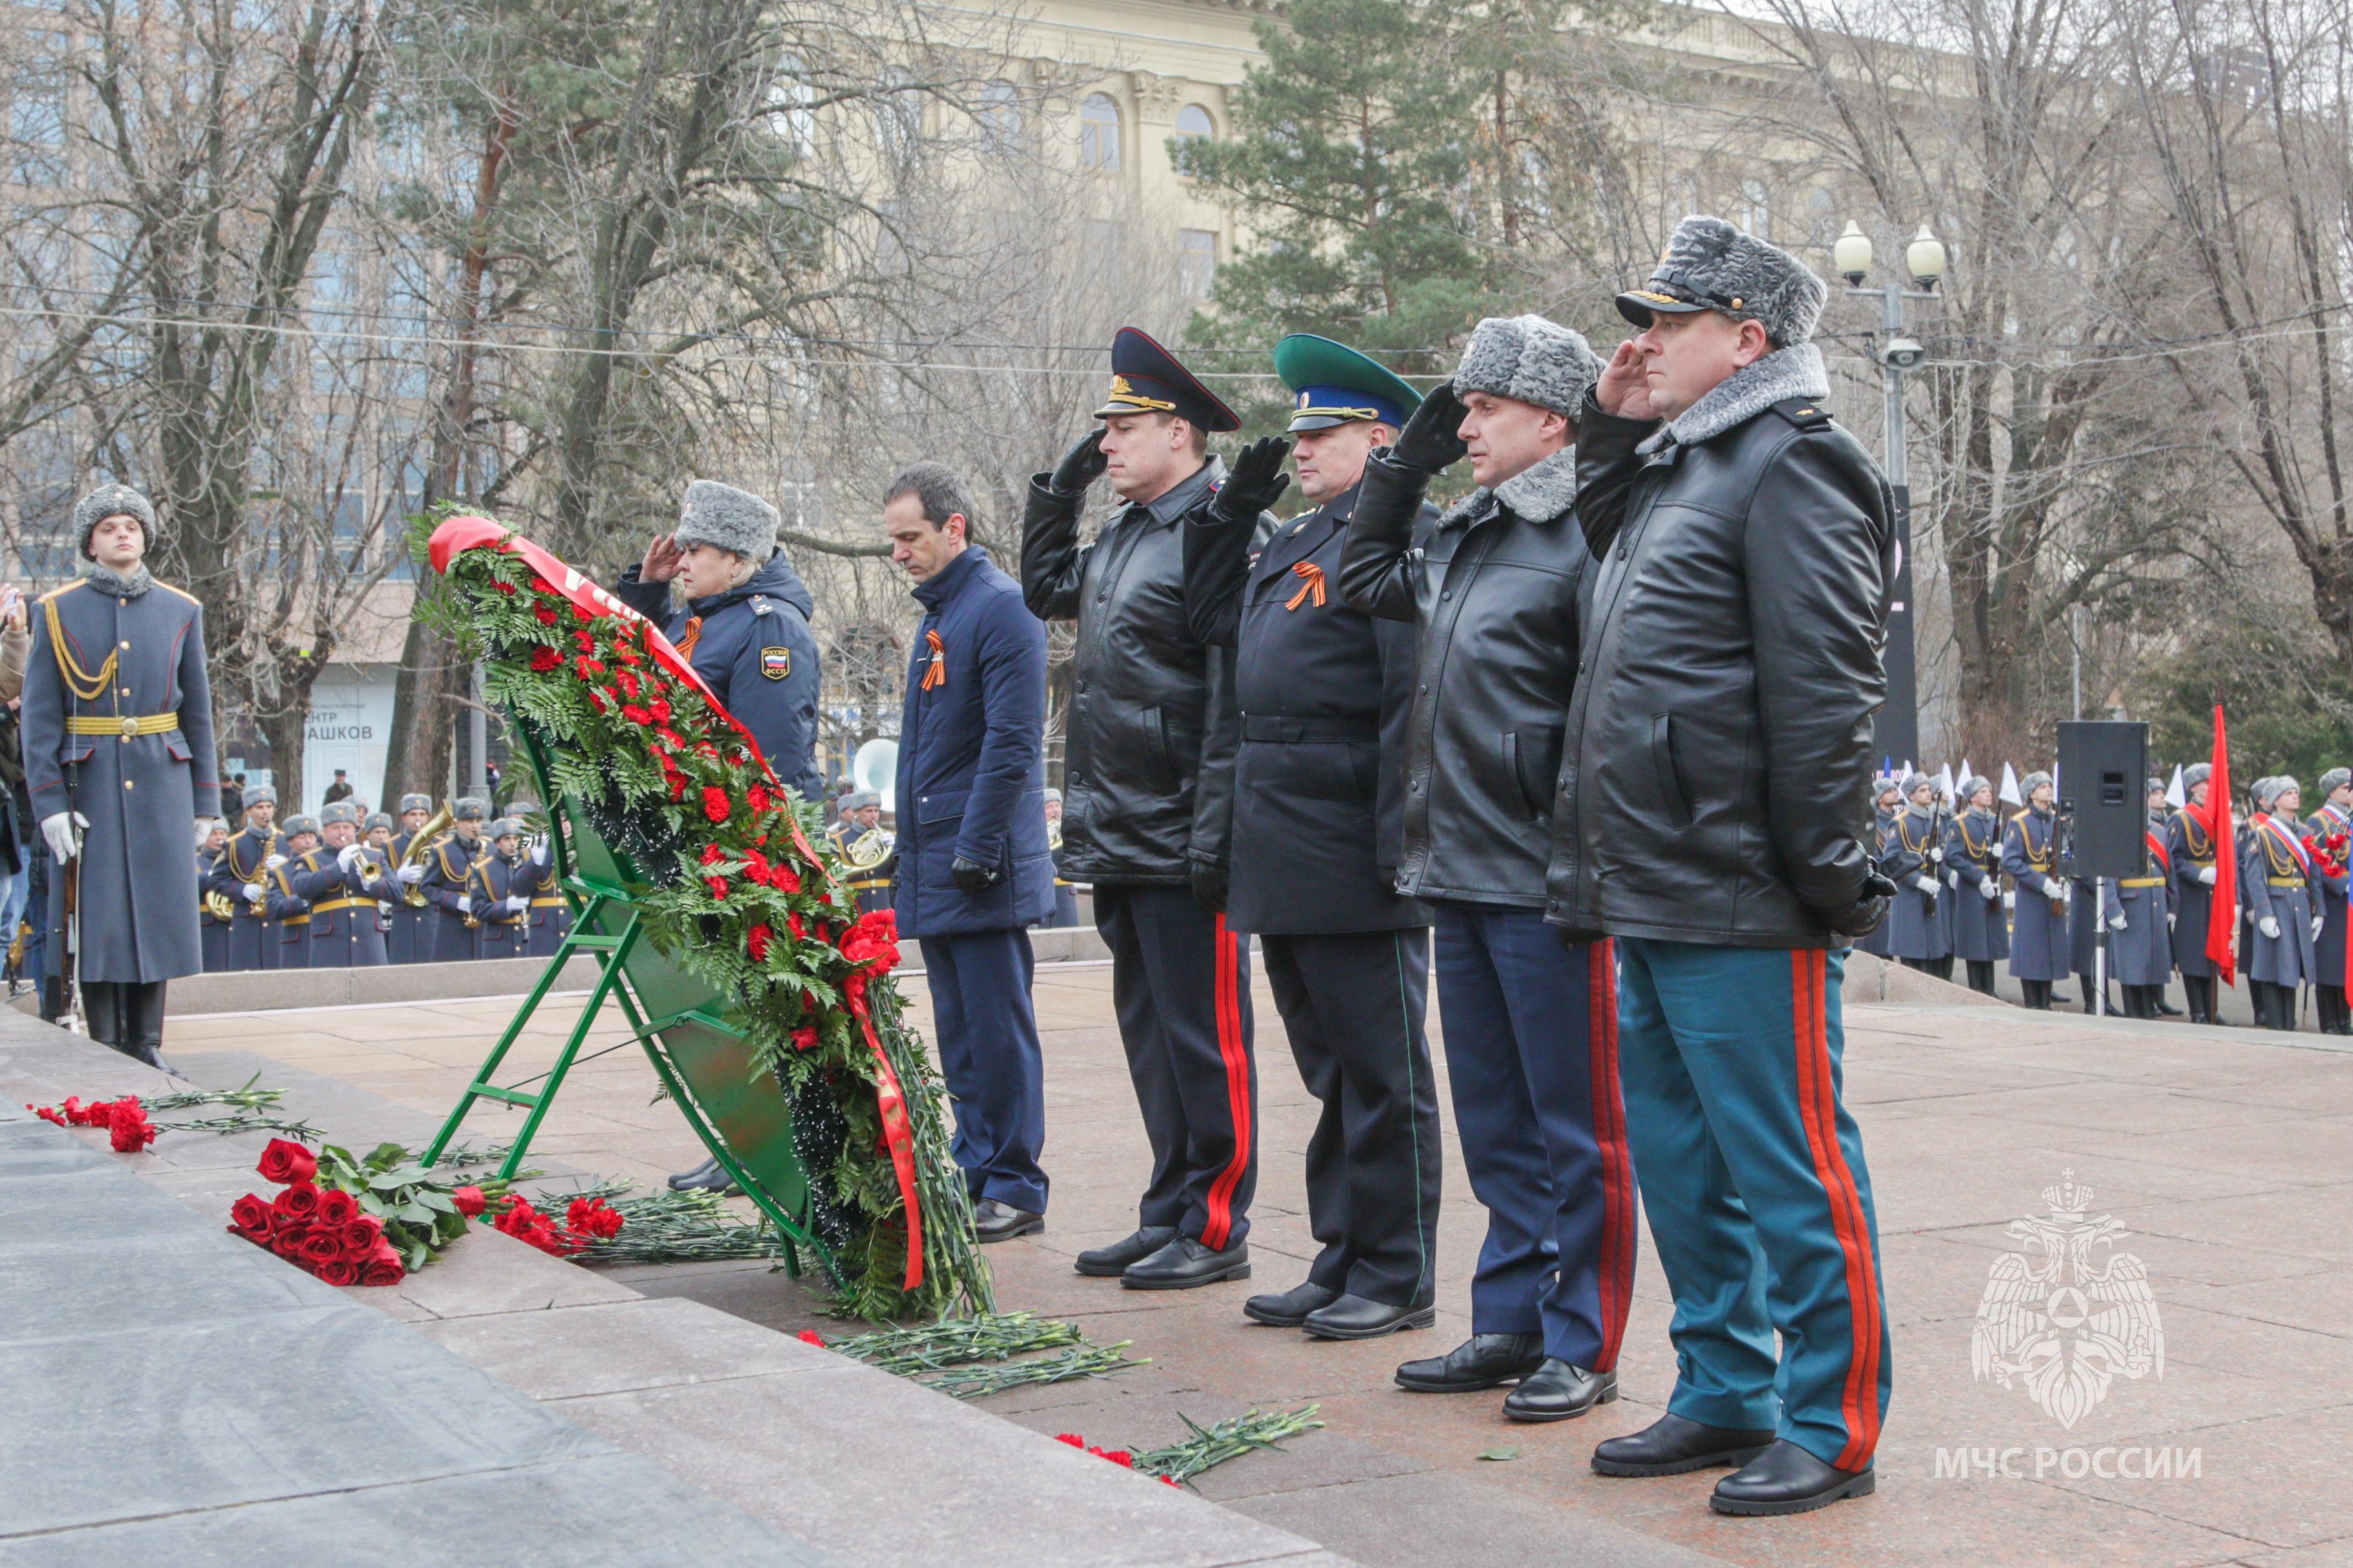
(1623,390)
(1429,441)
(1255,482)
(1082,465)
(663,559)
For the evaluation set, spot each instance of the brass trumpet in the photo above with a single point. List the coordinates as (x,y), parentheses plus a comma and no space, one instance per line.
(413,893)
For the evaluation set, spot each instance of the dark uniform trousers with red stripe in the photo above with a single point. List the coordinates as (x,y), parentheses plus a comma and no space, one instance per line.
(1531,1057)
(1759,1203)
(1180,983)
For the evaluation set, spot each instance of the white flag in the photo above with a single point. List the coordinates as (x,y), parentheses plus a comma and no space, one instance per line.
(2009,786)
(2175,796)
(1945,782)
(1968,772)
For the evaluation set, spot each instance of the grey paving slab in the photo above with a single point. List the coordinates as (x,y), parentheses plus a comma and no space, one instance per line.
(1440,1519)
(613,1347)
(608,1508)
(94,1285)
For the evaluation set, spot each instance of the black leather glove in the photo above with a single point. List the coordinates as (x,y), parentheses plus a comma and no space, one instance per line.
(1210,884)
(1429,442)
(1254,483)
(1082,465)
(1861,916)
(971,876)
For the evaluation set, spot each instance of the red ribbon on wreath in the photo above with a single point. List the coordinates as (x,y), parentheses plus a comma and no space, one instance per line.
(877,947)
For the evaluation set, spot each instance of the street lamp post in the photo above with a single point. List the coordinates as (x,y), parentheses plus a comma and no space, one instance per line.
(1899,722)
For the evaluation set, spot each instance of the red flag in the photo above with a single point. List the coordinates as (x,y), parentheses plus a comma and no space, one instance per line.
(2222,912)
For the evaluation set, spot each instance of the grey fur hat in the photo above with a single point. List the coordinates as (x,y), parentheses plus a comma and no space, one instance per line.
(1530,359)
(1974,782)
(105,502)
(1710,265)
(2032,782)
(381,819)
(861,800)
(255,794)
(294,824)
(1053,798)
(409,803)
(339,811)
(504,827)
(2332,779)
(2271,789)
(1915,783)
(728,518)
(2156,786)
(2196,774)
(473,808)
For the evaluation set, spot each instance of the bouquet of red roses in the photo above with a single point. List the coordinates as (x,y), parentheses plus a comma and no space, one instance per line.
(354,1221)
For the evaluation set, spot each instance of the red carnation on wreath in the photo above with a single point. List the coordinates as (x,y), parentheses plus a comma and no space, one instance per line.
(715,804)
(757,939)
(543,659)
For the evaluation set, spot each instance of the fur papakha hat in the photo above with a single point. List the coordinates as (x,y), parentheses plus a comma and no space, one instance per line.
(2032,782)
(110,500)
(1709,265)
(1531,360)
(2196,774)
(728,518)
(2332,778)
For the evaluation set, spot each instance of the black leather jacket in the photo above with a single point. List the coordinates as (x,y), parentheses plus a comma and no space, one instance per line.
(1149,751)
(1712,789)
(1494,589)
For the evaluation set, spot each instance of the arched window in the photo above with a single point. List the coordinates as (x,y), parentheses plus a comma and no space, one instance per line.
(1194,121)
(1099,132)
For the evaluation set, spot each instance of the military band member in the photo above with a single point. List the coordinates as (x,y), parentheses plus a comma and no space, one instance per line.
(2274,889)
(1914,861)
(410,939)
(289,912)
(214,915)
(550,912)
(2328,836)
(2030,855)
(117,730)
(1319,830)
(1148,789)
(498,883)
(1066,894)
(1886,800)
(341,882)
(449,883)
(1973,861)
(869,850)
(2189,855)
(239,875)
(2139,911)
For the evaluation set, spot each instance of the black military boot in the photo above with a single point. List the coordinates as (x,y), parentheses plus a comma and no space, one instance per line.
(1289,1309)
(1482,1361)
(101,1010)
(1111,1262)
(1362,1317)
(1671,1446)
(1187,1262)
(143,1026)
(1785,1479)
(1557,1391)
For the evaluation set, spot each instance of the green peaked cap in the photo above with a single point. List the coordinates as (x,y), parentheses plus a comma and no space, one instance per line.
(1332,384)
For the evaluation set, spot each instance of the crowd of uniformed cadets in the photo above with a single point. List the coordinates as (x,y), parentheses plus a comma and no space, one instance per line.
(1949,859)
(1587,743)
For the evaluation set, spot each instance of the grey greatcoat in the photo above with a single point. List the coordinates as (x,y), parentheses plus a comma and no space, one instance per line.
(1914,848)
(1972,860)
(2190,848)
(2273,881)
(2142,953)
(2038,930)
(142,792)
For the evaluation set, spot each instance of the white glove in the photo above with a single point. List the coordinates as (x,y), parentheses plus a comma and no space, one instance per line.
(2064,890)
(2172,922)
(2010,901)
(1990,887)
(539,853)
(412,875)
(2206,875)
(252,891)
(2269,927)
(58,830)
(2116,920)
(1925,884)
(383,909)
(1937,853)
(465,903)
(516,904)
(273,862)
(2317,921)
(347,853)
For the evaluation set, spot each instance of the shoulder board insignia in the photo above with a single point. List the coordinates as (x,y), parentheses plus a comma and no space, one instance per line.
(61,591)
(760,605)
(183,593)
(776,663)
(1805,413)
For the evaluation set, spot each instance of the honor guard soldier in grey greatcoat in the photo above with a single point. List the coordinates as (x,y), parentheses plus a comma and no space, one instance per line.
(2274,889)
(499,883)
(2029,855)
(214,915)
(1066,894)
(342,880)
(1914,861)
(2189,857)
(119,764)
(1973,864)
(449,883)
(2139,913)
(1148,793)
(2329,837)
(237,876)
(410,938)
(289,912)
(869,851)
(1886,800)
(1319,830)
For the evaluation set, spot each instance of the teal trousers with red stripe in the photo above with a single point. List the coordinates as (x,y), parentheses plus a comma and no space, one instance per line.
(1753,1177)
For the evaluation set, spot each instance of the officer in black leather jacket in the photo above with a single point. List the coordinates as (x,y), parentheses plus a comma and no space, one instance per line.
(1148,804)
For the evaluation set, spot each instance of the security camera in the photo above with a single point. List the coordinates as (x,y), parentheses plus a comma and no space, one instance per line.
(1902,353)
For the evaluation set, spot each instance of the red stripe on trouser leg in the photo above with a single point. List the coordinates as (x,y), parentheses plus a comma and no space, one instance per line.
(1219,1222)
(1818,1108)
(1616,1270)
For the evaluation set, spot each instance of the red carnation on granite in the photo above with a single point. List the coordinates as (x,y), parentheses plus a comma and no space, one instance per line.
(284,1161)
(811,1337)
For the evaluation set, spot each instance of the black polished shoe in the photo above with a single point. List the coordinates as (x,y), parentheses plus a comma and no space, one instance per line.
(1185,1263)
(1557,1391)
(708,1176)
(1111,1262)
(1482,1361)
(1785,1479)
(994,1221)
(1670,1446)
(1361,1318)
(2166,1009)
(1290,1309)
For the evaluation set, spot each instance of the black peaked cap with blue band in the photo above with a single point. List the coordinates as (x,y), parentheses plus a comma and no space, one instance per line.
(1332,384)
(1147,379)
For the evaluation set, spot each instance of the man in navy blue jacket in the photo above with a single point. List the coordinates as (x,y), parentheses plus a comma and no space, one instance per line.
(974,869)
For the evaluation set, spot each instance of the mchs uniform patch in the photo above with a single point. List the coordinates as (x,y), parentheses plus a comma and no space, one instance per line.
(776,663)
